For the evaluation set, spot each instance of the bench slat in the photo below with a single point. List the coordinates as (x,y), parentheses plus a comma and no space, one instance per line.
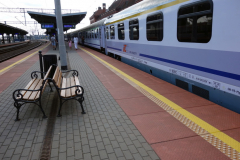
(34,94)
(42,89)
(63,92)
(73,84)
(28,93)
(28,86)
(68,91)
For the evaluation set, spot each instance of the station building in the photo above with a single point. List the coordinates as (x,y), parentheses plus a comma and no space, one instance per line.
(116,6)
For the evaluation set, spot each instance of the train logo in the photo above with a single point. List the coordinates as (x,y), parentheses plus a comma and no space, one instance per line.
(124,48)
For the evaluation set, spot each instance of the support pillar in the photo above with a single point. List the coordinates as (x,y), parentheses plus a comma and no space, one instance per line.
(8,37)
(13,38)
(62,47)
(3,41)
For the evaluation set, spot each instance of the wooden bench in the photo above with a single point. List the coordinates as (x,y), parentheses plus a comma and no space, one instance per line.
(32,93)
(68,88)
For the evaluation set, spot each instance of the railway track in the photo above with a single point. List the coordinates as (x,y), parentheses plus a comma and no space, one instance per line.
(12,51)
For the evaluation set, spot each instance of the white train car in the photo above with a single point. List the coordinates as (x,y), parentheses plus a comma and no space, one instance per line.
(93,35)
(194,44)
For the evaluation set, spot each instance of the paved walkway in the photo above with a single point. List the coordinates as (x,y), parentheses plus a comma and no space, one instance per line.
(123,120)
(105,132)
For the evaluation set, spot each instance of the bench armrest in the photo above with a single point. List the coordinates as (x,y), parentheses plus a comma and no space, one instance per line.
(77,91)
(34,74)
(17,94)
(75,72)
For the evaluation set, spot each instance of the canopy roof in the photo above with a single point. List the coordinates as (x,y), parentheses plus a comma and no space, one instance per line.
(11,30)
(70,18)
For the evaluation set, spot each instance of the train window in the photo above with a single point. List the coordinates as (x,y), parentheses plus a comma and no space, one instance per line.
(121,33)
(100,33)
(112,32)
(134,29)
(107,34)
(155,27)
(195,22)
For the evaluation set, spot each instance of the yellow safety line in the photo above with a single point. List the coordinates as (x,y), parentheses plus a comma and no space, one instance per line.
(21,60)
(150,10)
(214,131)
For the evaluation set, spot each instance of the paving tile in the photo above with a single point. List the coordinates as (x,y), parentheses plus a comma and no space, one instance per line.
(103,154)
(9,153)
(159,127)
(125,93)
(127,155)
(187,148)
(54,152)
(25,152)
(118,152)
(139,105)
(112,156)
(94,151)
(187,100)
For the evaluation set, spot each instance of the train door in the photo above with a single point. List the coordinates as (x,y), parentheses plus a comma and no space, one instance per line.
(100,37)
(103,42)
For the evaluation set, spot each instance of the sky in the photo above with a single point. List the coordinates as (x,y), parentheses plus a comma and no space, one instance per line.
(89,6)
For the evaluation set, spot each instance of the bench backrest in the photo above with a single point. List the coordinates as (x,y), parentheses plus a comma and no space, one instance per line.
(57,77)
(48,72)
(45,77)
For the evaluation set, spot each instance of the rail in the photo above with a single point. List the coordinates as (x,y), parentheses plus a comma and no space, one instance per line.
(12,44)
(12,51)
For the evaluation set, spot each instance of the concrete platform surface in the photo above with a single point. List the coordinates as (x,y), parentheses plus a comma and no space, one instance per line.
(121,122)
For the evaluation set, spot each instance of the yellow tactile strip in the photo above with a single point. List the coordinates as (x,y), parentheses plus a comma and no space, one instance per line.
(226,144)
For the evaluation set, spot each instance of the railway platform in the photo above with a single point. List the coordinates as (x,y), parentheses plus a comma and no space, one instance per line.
(130,114)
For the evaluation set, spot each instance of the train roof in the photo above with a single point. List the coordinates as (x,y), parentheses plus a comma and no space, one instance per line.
(137,8)
(94,25)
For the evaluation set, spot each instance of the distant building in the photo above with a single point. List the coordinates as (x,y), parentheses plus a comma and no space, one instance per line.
(115,7)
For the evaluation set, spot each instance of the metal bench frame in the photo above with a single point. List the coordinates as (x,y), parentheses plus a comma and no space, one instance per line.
(18,97)
(78,93)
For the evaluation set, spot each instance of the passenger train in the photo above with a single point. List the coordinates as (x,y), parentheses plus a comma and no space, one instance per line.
(194,44)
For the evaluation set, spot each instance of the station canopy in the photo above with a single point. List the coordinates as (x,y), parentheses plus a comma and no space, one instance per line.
(4,28)
(48,21)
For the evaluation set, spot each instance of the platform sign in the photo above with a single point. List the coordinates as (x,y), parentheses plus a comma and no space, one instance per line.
(72,26)
(47,26)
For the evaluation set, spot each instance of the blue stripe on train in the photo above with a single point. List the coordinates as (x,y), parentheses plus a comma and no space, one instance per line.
(114,48)
(203,69)
(92,44)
